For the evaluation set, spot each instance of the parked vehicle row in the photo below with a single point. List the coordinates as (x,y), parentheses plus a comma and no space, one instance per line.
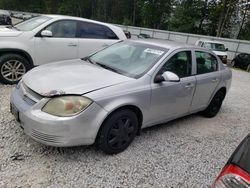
(106,98)
(50,38)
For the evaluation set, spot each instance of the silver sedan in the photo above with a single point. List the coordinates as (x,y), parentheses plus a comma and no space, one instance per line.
(108,97)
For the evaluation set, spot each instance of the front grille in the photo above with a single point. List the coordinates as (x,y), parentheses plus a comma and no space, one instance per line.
(28,95)
(46,137)
(29,100)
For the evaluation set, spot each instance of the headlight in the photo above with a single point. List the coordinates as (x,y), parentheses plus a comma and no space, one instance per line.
(224,57)
(66,106)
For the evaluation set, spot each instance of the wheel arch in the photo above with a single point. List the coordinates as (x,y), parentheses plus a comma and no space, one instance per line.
(19,52)
(223,90)
(134,108)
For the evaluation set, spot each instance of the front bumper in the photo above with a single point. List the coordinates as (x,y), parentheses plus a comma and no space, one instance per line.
(57,131)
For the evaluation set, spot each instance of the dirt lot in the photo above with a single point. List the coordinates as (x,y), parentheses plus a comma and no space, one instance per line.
(188,152)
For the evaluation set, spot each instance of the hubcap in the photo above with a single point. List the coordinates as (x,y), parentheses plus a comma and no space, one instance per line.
(13,70)
(121,133)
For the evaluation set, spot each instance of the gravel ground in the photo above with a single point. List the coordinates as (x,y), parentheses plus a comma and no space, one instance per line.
(188,152)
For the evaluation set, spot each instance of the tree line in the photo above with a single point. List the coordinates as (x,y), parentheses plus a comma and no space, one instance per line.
(222,18)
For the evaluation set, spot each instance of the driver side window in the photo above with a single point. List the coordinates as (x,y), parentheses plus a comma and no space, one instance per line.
(180,64)
(63,29)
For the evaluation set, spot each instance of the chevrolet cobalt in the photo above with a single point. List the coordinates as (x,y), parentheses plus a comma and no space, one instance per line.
(108,97)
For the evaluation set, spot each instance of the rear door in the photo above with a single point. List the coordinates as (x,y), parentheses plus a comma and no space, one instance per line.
(208,77)
(63,45)
(93,37)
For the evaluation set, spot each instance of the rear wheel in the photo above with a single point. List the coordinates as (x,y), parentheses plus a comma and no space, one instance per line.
(118,131)
(12,68)
(215,105)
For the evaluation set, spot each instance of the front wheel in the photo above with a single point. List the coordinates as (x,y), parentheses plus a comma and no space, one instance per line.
(118,131)
(215,105)
(12,68)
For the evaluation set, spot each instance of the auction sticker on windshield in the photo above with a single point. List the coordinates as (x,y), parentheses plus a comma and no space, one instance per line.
(153,51)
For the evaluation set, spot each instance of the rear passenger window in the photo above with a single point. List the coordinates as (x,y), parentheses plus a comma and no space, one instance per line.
(95,31)
(206,62)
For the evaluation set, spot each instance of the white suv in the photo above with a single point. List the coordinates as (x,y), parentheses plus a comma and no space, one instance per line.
(217,47)
(49,38)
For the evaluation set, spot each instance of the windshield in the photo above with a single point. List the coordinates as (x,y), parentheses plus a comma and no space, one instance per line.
(31,24)
(128,58)
(215,46)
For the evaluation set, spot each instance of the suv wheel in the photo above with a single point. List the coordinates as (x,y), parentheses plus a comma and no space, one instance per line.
(12,68)
(118,131)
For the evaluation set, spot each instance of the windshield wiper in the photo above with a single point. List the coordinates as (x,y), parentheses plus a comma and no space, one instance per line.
(107,67)
(101,65)
(11,27)
(88,59)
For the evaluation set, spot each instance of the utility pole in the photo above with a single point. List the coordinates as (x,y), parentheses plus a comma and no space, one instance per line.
(244,17)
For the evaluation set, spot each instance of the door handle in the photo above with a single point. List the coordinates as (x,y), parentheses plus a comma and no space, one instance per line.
(189,86)
(215,80)
(72,45)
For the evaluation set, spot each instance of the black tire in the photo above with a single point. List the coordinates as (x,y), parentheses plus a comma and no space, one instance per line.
(233,63)
(248,68)
(12,68)
(215,105)
(118,131)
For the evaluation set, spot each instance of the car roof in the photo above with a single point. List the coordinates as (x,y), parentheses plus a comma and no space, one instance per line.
(166,43)
(77,18)
(211,41)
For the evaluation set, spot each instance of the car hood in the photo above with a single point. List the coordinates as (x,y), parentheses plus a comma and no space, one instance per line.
(8,32)
(70,77)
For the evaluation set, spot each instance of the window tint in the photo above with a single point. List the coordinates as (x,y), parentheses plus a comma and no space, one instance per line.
(95,31)
(205,62)
(214,46)
(63,29)
(180,64)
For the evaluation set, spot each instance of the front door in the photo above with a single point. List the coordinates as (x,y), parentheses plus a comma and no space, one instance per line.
(63,45)
(173,99)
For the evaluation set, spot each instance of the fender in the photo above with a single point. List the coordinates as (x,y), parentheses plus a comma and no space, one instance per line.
(20,52)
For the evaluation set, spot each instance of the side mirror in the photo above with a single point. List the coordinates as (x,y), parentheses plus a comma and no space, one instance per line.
(226,49)
(46,33)
(167,77)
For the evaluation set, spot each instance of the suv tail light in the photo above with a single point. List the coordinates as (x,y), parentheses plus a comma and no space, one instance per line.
(232,176)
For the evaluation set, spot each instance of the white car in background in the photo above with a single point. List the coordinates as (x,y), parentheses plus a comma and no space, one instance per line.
(217,47)
(50,38)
